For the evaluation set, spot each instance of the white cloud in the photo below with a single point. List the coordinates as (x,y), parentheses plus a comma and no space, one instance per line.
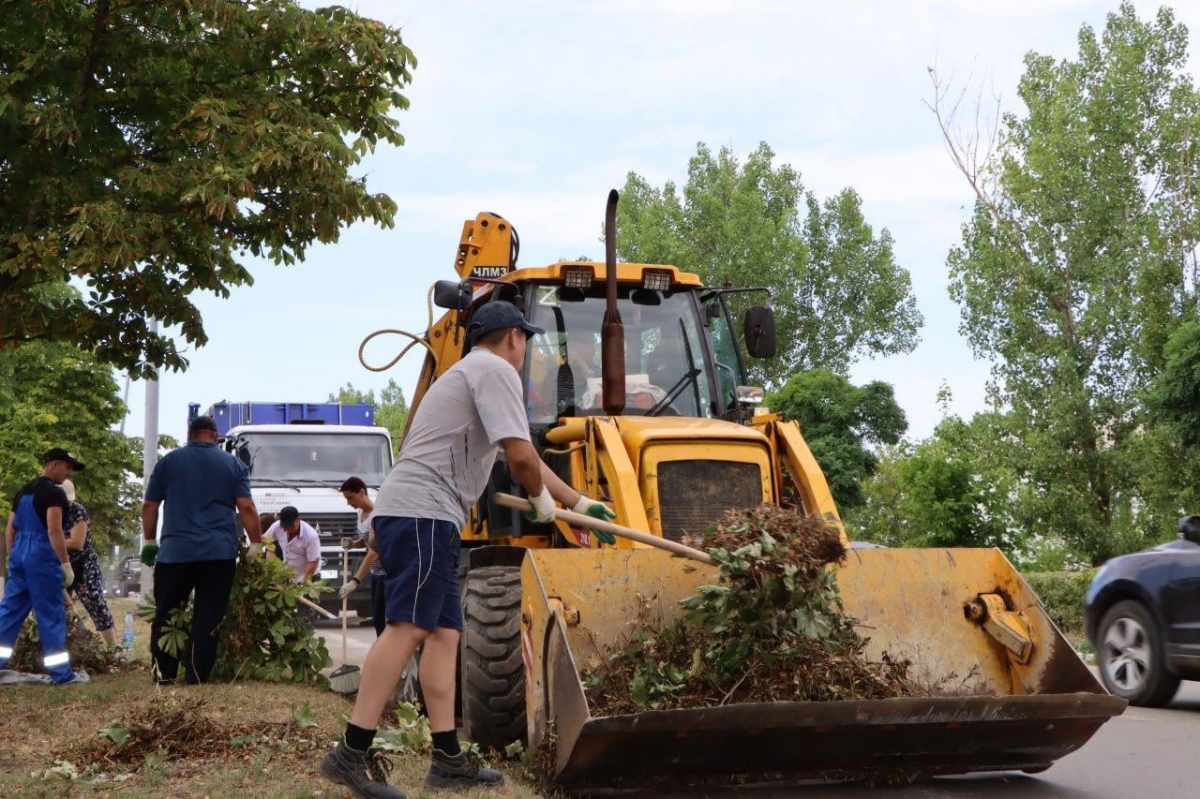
(904,176)
(523,168)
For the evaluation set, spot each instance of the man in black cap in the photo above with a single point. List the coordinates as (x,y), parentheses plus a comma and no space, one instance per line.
(202,487)
(39,569)
(468,415)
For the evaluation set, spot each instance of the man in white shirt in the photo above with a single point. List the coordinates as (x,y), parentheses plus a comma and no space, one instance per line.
(299,542)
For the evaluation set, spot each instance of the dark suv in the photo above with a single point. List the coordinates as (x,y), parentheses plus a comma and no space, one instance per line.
(1143,618)
(129,576)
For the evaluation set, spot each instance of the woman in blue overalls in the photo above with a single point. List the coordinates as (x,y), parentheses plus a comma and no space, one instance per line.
(38,568)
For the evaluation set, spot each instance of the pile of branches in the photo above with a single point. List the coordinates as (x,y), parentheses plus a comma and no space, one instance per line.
(87,649)
(773,628)
(181,728)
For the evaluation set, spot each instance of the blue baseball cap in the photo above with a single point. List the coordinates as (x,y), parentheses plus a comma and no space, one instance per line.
(498,315)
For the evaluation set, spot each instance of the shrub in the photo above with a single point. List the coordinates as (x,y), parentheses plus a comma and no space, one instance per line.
(265,634)
(1062,595)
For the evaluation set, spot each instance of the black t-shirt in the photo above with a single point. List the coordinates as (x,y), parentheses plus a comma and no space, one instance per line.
(46,495)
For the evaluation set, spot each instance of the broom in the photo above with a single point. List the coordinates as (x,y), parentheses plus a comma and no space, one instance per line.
(345,679)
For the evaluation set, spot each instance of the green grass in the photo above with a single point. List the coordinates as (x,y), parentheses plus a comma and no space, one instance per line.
(58,724)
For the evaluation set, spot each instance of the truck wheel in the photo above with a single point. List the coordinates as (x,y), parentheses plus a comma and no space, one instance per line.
(1131,659)
(493,669)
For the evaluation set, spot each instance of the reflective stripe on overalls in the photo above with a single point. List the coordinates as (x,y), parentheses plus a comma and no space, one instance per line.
(35,583)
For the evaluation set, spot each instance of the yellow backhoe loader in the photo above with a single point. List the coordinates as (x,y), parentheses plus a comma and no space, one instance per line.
(636,395)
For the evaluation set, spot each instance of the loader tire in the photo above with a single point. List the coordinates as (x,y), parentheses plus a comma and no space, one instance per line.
(493,668)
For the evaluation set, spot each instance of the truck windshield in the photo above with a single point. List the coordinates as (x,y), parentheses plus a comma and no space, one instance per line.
(319,457)
(667,371)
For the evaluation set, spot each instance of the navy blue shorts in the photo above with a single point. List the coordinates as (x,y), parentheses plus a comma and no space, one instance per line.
(421,560)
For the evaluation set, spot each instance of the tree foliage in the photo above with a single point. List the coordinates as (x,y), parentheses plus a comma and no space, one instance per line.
(839,420)
(54,394)
(146,149)
(1175,396)
(839,294)
(948,491)
(391,408)
(1079,263)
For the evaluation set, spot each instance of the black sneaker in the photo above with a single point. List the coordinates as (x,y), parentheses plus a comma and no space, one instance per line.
(363,773)
(464,770)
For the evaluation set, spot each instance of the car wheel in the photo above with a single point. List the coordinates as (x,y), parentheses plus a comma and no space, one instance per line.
(1130,656)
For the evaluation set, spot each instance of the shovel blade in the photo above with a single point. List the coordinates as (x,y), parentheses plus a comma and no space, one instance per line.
(901,738)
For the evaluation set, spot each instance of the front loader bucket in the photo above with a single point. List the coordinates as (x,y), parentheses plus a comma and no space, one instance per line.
(981,708)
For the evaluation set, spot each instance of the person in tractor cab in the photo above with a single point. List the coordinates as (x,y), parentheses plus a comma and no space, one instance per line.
(581,365)
(468,415)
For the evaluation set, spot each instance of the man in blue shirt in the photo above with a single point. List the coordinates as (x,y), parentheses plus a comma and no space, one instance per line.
(202,487)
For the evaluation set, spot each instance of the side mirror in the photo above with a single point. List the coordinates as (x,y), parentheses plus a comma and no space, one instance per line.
(1189,529)
(452,294)
(760,331)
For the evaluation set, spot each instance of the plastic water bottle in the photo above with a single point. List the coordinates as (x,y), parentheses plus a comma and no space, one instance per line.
(127,636)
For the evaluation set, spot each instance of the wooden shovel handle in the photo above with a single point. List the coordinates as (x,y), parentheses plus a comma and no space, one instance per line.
(583,520)
(317,607)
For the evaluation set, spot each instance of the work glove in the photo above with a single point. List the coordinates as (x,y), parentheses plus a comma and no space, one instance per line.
(149,554)
(543,507)
(597,510)
(348,588)
(253,550)
(68,575)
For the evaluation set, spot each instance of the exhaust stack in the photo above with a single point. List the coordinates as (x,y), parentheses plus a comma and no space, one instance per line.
(612,331)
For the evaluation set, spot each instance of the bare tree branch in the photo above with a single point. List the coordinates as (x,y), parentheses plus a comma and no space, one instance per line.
(972,160)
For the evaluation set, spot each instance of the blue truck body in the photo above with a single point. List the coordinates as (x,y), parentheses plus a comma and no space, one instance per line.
(233,414)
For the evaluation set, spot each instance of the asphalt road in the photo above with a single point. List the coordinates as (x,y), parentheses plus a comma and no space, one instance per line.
(360,634)
(1141,754)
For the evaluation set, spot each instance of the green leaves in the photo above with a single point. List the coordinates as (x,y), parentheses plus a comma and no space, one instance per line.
(263,635)
(771,629)
(57,394)
(839,421)
(391,408)
(838,292)
(117,733)
(303,716)
(151,147)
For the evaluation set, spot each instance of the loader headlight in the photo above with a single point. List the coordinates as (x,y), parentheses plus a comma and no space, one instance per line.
(577,277)
(656,280)
(749,395)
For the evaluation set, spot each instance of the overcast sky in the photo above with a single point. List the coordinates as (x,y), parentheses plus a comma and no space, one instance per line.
(534,110)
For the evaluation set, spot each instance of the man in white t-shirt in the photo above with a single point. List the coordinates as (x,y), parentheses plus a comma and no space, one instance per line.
(299,542)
